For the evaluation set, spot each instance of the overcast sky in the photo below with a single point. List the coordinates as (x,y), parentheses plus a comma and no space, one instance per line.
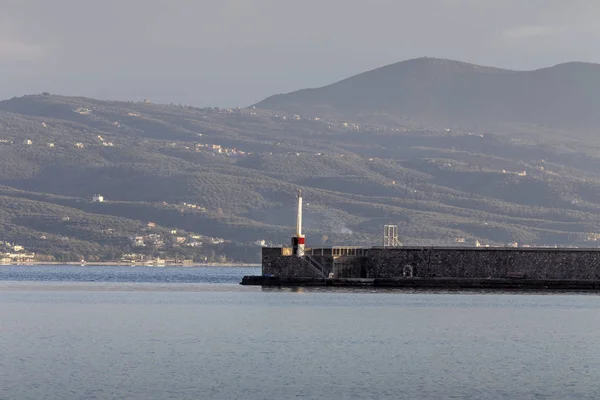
(236,52)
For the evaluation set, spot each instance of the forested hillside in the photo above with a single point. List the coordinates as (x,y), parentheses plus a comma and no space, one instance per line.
(210,184)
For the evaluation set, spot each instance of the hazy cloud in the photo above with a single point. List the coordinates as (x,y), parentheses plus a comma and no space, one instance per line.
(235,52)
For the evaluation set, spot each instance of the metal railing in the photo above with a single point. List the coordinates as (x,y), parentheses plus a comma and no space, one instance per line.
(314,264)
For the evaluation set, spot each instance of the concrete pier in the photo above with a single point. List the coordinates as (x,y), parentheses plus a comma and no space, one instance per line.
(433,267)
(430,283)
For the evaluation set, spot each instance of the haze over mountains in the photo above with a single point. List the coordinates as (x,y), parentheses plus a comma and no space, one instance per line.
(451,152)
(430,91)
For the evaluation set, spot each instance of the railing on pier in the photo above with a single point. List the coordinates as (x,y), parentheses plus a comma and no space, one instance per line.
(347,251)
(314,264)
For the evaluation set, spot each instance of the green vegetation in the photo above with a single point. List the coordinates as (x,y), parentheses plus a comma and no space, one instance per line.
(204,174)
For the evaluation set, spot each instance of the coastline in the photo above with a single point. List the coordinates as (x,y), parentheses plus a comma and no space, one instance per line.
(125,264)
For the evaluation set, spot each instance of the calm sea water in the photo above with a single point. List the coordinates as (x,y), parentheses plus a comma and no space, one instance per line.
(193,333)
(125,274)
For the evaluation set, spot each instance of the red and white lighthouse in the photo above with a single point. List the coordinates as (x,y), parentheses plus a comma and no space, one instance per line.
(298,240)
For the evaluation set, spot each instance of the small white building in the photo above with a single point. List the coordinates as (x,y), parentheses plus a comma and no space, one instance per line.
(82,110)
(98,199)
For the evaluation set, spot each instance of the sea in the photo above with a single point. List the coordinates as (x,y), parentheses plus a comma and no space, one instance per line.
(106,332)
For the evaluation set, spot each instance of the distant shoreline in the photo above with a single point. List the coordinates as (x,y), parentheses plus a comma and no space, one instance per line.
(138,264)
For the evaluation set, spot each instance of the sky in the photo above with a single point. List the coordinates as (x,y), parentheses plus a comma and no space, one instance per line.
(237,52)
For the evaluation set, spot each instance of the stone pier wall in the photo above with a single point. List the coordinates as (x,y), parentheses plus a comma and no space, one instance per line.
(483,263)
(275,264)
(428,262)
(348,267)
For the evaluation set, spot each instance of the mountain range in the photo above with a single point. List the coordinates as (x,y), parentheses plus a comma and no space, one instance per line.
(437,92)
(451,152)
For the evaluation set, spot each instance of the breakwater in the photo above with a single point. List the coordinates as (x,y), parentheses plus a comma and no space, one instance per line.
(432,267)
(430,283)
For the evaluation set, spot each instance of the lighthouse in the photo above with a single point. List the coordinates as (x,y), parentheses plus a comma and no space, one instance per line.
(298,239)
